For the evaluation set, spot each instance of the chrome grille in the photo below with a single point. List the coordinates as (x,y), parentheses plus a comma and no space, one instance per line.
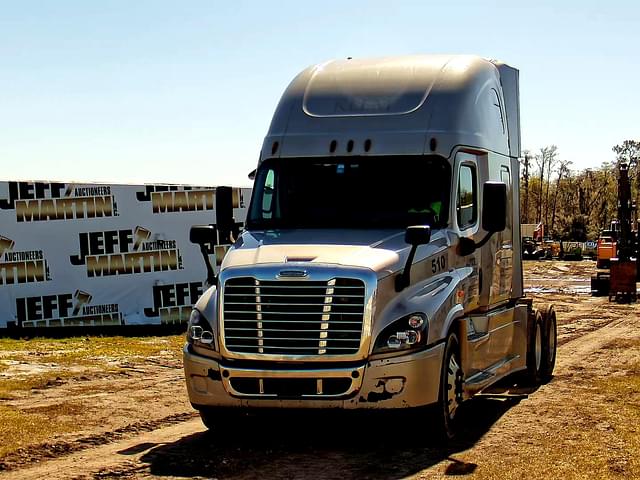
(288,317)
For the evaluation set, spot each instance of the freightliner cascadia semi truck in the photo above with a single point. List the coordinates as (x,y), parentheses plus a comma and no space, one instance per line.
(380,265)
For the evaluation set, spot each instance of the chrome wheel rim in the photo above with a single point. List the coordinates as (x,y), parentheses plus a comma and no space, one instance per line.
(453,377)
(538,347)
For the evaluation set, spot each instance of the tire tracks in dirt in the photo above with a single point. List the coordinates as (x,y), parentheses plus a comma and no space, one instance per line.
(47,451)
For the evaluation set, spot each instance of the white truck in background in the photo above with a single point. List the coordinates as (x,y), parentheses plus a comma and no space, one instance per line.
(380,266)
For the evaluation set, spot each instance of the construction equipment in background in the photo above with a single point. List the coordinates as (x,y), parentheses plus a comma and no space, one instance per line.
(571,250)
(590,249)
(607,242)
(620,245)
(532,230)
(535,246)
(531,249)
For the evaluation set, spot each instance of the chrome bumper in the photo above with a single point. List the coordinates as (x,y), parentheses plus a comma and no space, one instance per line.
(411,380)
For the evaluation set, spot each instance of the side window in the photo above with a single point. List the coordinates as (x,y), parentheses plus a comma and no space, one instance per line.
(267,197)
(466,204)
(505,176)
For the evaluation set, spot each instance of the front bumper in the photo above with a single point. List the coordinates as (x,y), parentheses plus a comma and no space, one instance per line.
(411,380)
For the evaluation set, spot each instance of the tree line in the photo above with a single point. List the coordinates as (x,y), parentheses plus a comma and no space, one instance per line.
(574,204)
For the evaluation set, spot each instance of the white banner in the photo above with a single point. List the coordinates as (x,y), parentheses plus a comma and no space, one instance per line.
(96,254)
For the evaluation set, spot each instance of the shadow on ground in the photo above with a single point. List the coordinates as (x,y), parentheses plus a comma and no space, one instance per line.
(326,446)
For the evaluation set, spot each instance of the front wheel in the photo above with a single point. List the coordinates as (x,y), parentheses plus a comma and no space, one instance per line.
(534,348)
(221,420)
(209,419)
(450,397)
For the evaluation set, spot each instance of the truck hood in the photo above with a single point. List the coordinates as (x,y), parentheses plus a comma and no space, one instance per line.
(383,251)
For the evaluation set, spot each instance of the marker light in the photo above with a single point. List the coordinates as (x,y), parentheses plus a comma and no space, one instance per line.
(194,317)
(416,321)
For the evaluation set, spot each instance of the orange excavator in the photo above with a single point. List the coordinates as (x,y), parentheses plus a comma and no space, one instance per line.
(618,249)
(607,243)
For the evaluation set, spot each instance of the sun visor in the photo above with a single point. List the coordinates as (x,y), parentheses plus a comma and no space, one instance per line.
(355,88)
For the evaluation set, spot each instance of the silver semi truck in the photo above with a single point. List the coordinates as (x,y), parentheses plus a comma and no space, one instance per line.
(380,265)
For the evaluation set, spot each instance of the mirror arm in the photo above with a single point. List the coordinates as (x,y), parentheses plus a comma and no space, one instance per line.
(403,280)
(484,240)
(468,246)
(211,276)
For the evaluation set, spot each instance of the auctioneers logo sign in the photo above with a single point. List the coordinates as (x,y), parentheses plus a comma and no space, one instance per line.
(173,302)
(28,266)
(125,252)
(64,310)
(175,198)
(38,201)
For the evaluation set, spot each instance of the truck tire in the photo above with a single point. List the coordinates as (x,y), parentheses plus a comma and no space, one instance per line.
(549,342)
(535,329)
(220,420)
(450,396)
(209,419)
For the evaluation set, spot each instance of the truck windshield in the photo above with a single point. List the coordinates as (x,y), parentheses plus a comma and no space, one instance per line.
(351,192)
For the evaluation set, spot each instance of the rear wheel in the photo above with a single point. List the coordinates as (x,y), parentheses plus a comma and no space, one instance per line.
(450,389)
(549,342)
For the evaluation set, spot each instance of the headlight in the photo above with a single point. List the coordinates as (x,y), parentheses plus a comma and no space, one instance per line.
(410,331)
(199,330)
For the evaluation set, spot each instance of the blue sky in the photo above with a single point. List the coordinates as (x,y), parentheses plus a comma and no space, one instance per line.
(159,91)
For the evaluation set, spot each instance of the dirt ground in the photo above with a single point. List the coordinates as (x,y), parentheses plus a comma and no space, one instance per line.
(131,419)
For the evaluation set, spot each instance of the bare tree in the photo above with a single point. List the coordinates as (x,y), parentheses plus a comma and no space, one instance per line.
(629,152)
(526,162)
(565,199)
(545,160)
(563,171)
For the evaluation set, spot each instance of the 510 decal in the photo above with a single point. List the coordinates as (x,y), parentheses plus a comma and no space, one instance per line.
(438,264)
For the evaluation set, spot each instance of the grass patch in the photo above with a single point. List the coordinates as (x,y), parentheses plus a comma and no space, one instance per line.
(76,349)
(19,429)
(624,395)
(43,362)
(40,363)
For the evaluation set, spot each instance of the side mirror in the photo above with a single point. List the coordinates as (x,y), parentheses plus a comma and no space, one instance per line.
(494,207)
(203,234)
(415,236)
(494,216)
(252,174)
